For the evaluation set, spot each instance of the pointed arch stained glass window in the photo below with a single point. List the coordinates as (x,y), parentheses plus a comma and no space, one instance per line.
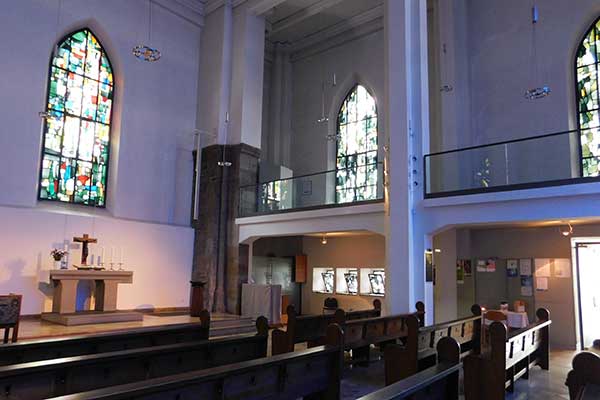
(356,167)
(588,72)
(76,144)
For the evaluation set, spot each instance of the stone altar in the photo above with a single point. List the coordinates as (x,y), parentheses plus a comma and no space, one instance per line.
(105,293)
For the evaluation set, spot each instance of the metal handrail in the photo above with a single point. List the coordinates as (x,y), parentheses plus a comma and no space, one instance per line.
(507,142)
(309,175)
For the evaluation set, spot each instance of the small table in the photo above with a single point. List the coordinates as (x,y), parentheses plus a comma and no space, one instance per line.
(65,283)
(516,320)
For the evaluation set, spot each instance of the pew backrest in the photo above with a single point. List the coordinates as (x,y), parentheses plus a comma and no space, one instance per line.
(439,382)
(419,350)
(50,348)
(364,332)
(49,378)
(585,372)
(312,373)
(509,356)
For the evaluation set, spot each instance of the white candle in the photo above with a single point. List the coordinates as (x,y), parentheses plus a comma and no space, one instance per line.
(111,254)
(101,258)
(121,255)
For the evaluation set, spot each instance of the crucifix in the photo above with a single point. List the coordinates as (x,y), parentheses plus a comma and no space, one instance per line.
(85,240)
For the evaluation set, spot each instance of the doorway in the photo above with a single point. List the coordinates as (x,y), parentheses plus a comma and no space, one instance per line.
(587,256)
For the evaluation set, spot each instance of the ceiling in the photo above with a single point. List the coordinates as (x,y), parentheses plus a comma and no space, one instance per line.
(342,234)
(295,20)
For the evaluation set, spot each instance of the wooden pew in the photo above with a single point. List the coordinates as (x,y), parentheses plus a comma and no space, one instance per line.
(312,328)
(360,334)
(509,357)
(62,376)
(310,374)
(439,382)
(419,349)
(585,372)
(50,348)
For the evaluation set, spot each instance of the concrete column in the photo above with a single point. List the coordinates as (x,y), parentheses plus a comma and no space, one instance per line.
(406,122)
(248,58)
(280,110)
(230,112)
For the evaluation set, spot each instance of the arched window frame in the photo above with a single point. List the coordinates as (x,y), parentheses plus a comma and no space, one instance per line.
(588,118)
(349,185)
(99,156)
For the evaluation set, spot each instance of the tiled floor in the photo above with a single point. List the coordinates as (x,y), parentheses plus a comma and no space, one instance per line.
(542,385)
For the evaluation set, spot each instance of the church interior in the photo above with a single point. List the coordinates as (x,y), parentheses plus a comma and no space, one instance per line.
(285,199)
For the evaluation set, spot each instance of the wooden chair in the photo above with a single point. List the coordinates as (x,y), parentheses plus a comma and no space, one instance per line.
(494,316)
(330,305)
(10,312)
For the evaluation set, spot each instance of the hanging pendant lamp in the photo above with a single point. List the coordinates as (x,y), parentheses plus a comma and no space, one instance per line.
(144,52)
(540,91)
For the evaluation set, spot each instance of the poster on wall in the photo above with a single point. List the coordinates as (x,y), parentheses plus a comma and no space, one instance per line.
(467,268)
(460,272)
(526,285)
(351,282)
(481,266)
(525,266)
(429,266)
(541,284)
(490,265)
(542,267)
(328,279)
(512,268)
(562,268)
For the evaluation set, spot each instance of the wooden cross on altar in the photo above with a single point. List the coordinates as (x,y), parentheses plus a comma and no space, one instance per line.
(86,239)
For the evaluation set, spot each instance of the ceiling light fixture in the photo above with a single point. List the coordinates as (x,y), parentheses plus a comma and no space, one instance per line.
(324,240)
(566,230)
(144,52)
(541,91)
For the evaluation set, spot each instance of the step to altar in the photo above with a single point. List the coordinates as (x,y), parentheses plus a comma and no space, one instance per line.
(92,317)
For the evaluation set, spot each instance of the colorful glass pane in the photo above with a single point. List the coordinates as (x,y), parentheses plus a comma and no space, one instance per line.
(588,100)
(356,175)
(54,132)
(57,89)
(77,133)
(90,98)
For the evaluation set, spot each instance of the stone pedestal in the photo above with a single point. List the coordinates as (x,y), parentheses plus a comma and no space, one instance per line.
(105,293)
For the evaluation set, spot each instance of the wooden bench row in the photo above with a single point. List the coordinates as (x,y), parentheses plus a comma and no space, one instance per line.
(418,351)
(61,376)
(510,356)
(52,348)
(310,374)
(312,328)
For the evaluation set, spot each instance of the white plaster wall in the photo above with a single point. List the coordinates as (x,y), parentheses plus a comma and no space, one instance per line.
(445,293)
(149,192)
(155,102)
(159,256)
(355,61)
(343,252)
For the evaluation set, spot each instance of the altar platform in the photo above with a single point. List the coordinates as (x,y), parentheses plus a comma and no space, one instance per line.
(221,325)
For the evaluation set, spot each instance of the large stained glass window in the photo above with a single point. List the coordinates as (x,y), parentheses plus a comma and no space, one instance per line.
(77,128)
(588,94)
(356,168)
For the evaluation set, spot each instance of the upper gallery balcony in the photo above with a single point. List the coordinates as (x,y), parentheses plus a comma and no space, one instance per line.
(554,159)
(336,188)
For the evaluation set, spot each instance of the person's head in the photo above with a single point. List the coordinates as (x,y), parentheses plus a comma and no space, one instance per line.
(596,344)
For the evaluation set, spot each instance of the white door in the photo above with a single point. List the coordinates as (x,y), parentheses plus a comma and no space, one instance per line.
(588,263)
